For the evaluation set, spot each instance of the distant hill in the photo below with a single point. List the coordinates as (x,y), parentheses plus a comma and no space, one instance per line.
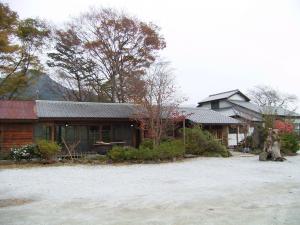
(44,88)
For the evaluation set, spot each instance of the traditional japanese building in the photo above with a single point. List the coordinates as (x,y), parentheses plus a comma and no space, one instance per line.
(92,125)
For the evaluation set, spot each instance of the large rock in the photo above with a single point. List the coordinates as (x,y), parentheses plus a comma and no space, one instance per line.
(263,156)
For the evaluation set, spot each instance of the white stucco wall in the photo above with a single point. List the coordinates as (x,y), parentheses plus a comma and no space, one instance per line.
(232,137)
(206,105)
(224,104)
(237,97)
(232,140)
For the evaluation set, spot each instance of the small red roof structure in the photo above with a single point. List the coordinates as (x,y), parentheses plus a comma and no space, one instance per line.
(17,110)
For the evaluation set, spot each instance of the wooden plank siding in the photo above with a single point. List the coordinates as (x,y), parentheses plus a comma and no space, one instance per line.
(15,135)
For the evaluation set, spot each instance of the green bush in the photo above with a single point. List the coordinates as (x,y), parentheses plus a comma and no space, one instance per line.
(26,152)
(289,143)
(170,149)
(120,154)
(147,143)
(47,149)
(200,142)
(165,151)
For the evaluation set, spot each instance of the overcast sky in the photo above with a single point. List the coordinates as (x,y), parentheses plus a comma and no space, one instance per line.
(214,45)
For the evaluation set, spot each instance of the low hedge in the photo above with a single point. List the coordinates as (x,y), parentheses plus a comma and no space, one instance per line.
(165,151)
(203,143)
(289,143)
(47,149)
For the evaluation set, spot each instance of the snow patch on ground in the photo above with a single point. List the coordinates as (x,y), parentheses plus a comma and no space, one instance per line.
(236,190)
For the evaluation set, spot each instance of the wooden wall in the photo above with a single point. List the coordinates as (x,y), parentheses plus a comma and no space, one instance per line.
(13,135)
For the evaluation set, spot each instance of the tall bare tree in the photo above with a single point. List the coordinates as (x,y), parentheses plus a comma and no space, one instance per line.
(157,101)
(271,98)
(122,48)
(271,102)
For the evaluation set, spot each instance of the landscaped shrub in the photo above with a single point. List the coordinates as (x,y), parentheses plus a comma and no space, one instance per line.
(170,149)
(26,152)
(289,143)
(200,142)
(165,151)
(143,154)
(284,126)
(119,153)
(147,143)
(47,149)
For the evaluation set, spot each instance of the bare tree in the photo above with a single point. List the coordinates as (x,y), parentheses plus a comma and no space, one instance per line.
(157,101)
(272,99)
(121,46)
(273,103)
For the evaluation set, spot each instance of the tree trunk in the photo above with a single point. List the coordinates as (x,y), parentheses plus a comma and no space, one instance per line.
(276,155)
(271,148)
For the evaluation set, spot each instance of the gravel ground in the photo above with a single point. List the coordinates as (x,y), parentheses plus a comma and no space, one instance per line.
(237,191)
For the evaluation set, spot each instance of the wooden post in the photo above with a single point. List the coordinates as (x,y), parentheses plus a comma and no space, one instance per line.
(133,134)
(237,135)
(100,133)
(1,137)
(53,132)
(225,132)
(184,133)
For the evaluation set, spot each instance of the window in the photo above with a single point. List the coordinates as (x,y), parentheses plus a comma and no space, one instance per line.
(122,132)
(48,132)
(70,134)
(43,131)
(65,132)
(106,133)
(215,105)
(232,130)
(94,135)
(297,128)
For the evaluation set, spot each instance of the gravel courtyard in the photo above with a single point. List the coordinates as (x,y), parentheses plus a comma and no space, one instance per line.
(237,191)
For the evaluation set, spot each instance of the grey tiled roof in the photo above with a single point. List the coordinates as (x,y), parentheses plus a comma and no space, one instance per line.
(265,110)
(243,113)
(226,111)
(279,111)
(248,105)
(68,109)
(207,116)
(222,95)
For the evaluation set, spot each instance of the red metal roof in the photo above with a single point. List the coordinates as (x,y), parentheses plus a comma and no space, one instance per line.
(17,110)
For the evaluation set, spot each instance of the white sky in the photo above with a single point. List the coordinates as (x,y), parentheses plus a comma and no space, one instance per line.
(214,45)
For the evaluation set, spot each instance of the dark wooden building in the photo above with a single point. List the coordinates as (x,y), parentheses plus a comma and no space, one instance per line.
(17,119)
(93,126)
